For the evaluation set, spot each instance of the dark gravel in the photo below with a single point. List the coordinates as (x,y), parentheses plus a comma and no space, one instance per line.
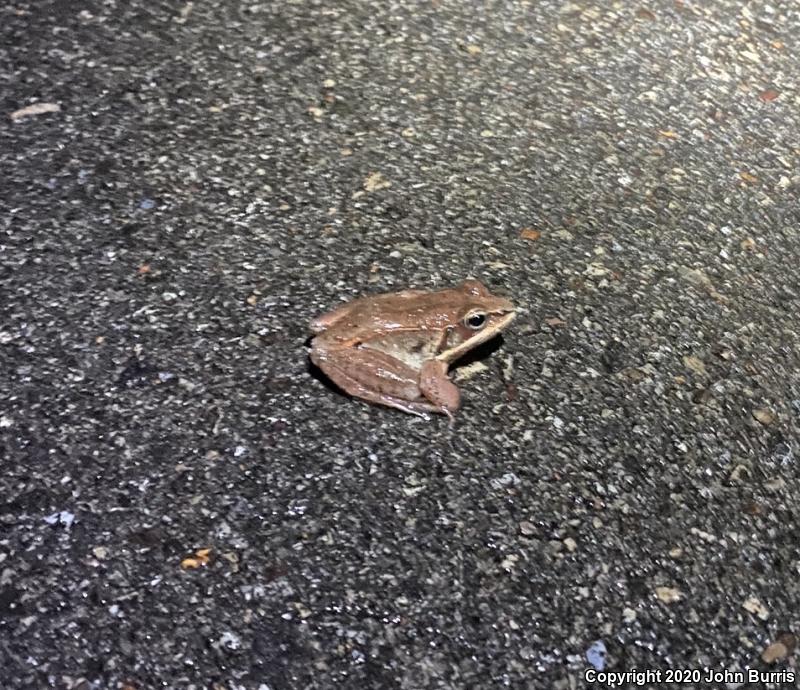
(621,488)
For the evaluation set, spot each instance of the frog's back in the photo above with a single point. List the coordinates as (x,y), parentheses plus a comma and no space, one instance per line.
(365,318)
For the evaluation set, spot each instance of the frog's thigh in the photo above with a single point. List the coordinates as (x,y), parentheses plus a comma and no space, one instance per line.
(380,373)
(377,378)
(437,387)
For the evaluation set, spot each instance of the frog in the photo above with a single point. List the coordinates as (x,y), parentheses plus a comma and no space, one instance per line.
(396,349)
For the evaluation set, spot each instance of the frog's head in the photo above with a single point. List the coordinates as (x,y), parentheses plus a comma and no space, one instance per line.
(479,317)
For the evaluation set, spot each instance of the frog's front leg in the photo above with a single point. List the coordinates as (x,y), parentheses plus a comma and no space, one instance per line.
(376,377)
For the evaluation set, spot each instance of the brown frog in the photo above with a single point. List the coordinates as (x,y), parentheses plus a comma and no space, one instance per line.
(395,349)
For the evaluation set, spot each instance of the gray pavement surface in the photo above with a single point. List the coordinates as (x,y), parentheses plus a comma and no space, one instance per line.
(185,505)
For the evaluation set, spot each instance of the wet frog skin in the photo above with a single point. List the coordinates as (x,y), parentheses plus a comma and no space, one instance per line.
(395,349)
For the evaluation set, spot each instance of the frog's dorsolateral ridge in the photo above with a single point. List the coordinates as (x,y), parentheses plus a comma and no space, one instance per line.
(395,349)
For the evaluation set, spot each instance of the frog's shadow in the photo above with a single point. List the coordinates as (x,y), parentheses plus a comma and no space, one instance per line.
(483,351)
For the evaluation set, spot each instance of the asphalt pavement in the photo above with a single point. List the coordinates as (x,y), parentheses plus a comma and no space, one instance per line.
(184,503)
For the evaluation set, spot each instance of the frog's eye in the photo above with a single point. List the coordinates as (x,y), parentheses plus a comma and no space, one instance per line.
(475,321)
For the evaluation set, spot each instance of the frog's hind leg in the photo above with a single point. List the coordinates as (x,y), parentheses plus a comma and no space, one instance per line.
(418,408)
(354,388)
(378,378)
(437,387)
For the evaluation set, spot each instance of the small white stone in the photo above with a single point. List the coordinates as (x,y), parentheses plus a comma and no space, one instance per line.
(669,594)
(230,640)
(754,606)
(509,561)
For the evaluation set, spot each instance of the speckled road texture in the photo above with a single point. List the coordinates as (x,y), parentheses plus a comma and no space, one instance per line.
(185,505)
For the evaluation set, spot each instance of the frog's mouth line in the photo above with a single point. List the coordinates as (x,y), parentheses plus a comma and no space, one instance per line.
(479,338)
